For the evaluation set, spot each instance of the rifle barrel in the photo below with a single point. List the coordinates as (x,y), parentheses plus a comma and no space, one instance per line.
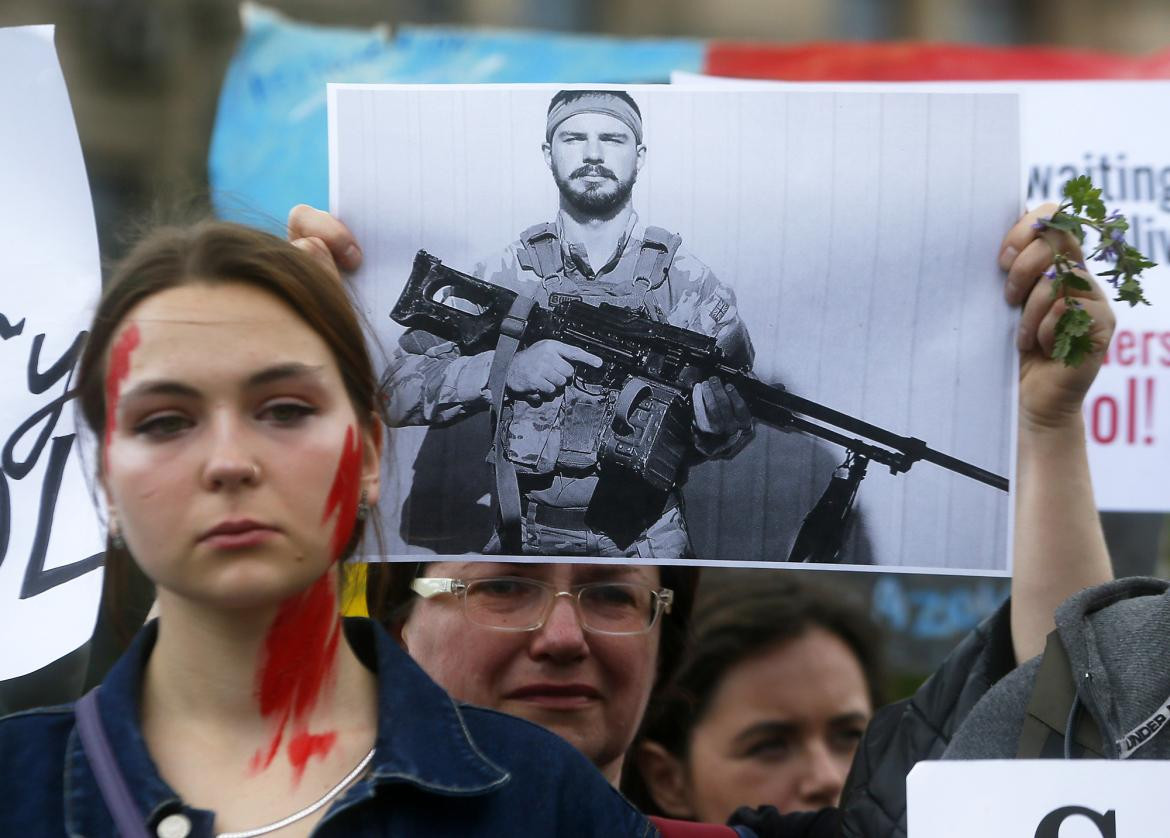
(782,408)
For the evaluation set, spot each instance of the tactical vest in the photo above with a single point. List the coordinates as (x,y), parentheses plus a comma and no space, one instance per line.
(563,434)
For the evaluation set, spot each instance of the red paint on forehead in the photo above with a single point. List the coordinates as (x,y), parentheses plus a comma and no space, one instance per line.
(117,369)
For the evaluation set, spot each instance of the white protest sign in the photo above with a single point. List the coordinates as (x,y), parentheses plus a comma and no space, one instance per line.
(50,541)
(1037,799)
(1103,129)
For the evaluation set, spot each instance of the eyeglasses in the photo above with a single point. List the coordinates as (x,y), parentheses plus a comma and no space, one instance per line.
(512,603)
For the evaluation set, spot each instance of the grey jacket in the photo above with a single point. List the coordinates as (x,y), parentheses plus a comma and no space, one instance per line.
(1117,637)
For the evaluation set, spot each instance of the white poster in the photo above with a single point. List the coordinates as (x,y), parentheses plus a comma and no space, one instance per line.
(1102,129)
(857,232)
(50,541)
(1037,799)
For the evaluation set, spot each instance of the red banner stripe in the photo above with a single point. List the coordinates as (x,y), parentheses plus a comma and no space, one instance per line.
(915,61)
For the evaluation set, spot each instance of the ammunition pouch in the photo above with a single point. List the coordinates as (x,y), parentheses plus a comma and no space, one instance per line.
(561,434)
(530,436)
(648,433)
(643,430)
(586,412)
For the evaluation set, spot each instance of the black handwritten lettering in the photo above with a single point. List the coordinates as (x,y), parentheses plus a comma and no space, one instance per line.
(39,382)
(10,330)
(5,516)
(37,579)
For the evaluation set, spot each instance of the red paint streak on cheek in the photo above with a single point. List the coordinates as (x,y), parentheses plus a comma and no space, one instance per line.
(116,372)
(344,493)
(301,646)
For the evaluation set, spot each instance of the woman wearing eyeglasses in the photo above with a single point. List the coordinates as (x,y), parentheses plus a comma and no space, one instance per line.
(574,648)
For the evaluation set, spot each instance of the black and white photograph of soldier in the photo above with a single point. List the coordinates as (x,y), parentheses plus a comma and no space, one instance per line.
(831,246)
(596,249)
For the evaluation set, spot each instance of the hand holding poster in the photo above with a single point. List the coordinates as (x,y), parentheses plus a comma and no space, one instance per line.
(849,240)
(50,542)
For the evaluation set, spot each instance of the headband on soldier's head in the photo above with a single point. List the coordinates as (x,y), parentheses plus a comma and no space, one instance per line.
(615,103)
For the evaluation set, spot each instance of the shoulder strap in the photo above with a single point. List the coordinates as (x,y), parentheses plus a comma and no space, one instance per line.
(658,249)
(507,486)
(541,250)
(652,269)
(1054,712)
(115,792)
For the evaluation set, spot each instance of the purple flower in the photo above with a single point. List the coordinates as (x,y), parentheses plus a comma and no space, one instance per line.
(1111,247)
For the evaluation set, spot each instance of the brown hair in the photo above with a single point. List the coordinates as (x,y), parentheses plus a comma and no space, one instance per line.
(738,622)
(221,253)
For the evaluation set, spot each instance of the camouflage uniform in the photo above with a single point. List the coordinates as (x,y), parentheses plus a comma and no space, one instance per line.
(554,445)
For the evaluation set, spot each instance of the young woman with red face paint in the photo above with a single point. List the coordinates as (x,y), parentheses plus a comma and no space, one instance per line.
(227,382)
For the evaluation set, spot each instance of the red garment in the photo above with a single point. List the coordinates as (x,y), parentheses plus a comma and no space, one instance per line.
(689,829)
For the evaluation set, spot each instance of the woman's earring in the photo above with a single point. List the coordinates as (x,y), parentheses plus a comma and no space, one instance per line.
(363,510)
(116,540)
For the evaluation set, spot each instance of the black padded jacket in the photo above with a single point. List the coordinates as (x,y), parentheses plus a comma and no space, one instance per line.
(921,727)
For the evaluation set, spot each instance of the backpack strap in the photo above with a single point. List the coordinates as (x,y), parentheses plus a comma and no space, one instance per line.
(541,250)
(1055,712)
(127,817)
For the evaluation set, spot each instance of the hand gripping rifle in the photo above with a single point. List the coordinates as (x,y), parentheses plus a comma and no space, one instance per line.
(651,367)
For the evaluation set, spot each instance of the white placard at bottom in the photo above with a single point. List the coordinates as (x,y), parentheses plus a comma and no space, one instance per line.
(1038,799)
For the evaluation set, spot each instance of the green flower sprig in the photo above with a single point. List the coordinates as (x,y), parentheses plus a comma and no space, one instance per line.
(1082,207)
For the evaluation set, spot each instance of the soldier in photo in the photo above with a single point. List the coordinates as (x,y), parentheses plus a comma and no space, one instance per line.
(562,499)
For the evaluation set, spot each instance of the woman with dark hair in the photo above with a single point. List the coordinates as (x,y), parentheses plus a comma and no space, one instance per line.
(228,385)
(767,707)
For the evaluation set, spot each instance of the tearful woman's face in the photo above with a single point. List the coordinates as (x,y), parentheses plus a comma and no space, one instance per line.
(589,688)
(228,429)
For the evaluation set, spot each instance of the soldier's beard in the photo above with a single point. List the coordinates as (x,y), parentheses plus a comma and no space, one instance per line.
(597,199)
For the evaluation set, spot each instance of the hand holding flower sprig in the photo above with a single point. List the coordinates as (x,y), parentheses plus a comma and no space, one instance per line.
(1082,207)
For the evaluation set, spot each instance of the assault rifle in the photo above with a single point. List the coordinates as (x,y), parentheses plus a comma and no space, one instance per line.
(652,367)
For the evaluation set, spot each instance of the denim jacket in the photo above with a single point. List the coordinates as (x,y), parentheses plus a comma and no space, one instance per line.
(439,768)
